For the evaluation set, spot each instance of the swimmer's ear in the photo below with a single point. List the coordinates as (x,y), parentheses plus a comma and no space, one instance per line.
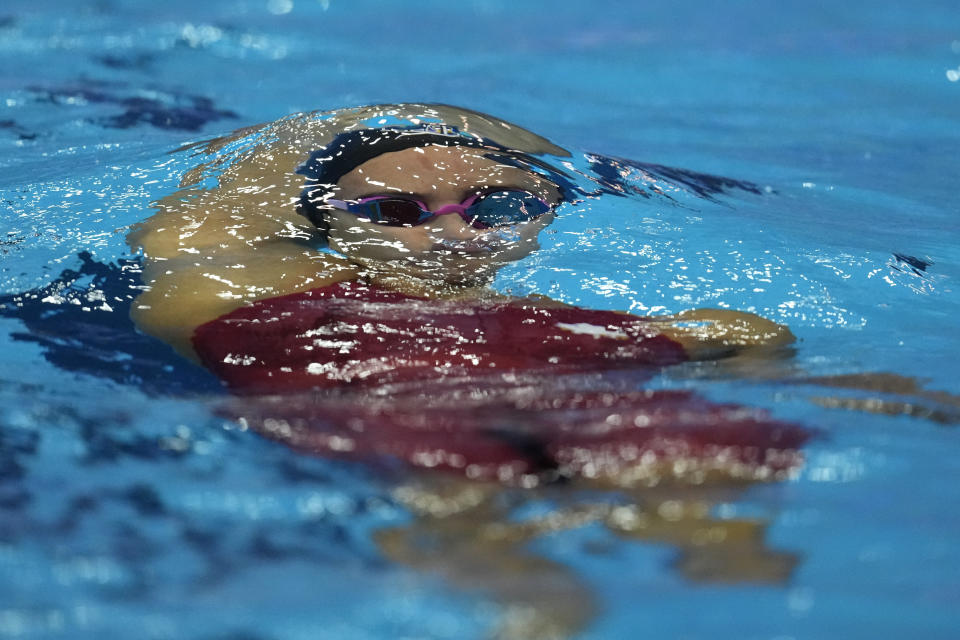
(316,216)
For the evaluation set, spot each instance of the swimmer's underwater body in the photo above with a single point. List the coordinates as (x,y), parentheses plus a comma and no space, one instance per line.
(354,250)
(334,270)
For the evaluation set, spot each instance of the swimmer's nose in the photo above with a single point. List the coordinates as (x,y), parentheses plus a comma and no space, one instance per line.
(451,226)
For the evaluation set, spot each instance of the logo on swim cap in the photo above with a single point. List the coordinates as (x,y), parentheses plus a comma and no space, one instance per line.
(432,128)
(440,129)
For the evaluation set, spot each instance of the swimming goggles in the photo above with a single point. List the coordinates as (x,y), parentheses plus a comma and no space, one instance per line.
(481,211)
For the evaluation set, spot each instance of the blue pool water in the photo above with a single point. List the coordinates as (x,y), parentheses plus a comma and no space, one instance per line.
(129,507)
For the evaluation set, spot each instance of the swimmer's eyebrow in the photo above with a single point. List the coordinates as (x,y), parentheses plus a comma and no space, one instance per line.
(392,191)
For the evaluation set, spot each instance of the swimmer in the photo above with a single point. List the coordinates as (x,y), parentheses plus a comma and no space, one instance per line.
(428,201)
(353,251)
(337,278)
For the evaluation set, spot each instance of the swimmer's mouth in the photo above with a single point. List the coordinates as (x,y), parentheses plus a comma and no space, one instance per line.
(467,246)
(486,244)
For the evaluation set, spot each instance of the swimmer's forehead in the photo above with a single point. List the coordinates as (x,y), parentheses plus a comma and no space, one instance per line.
(423,170)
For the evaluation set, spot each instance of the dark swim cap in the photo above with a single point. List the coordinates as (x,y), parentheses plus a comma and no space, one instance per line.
(351,149)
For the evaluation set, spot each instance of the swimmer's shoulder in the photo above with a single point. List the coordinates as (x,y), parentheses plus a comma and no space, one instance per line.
(178,297)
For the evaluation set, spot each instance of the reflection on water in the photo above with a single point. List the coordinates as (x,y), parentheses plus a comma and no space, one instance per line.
(437,411)
(468,535)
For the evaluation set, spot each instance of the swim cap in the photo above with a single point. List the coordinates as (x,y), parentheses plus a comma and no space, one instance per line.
(351,149)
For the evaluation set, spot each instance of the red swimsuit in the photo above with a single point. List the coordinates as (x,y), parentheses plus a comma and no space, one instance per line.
(491,389)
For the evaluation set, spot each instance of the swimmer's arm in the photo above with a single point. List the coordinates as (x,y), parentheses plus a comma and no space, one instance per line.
(708,334)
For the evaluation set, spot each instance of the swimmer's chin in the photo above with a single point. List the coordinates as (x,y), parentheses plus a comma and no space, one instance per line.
(431,276)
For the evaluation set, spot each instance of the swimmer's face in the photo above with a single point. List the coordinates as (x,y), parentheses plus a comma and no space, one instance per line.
(445,247)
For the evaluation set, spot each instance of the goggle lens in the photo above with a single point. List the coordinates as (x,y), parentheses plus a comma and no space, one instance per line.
(506,207)
(493,209)
(395,212)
